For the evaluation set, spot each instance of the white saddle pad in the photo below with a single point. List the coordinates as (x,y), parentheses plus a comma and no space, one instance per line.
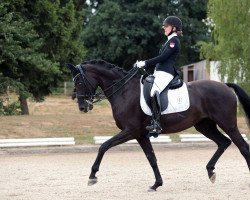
(178,101)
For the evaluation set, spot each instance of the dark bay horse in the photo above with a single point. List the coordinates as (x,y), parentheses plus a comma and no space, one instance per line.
(211,104)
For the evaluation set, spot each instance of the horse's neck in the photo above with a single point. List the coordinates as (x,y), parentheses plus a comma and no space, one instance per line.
(108,78)
(112,84)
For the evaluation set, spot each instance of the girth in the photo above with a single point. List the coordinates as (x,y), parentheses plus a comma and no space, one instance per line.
(147,86)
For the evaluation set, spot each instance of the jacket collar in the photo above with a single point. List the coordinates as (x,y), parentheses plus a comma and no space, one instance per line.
(172,35)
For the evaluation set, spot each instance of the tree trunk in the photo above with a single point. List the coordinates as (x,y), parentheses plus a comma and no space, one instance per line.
(24,105)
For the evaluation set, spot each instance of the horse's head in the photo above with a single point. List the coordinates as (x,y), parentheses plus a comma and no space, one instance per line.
(85,87)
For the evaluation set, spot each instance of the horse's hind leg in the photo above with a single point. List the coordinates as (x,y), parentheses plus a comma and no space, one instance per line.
(208,128)
(239,141)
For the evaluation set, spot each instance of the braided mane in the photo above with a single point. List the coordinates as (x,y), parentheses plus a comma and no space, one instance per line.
(105,64)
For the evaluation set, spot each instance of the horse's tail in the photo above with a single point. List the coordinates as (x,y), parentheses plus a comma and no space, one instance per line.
(243,98)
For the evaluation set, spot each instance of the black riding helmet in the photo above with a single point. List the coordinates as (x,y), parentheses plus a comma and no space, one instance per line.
(173,21)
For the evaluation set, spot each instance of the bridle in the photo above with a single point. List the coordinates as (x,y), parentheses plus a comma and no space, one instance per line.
(92,97)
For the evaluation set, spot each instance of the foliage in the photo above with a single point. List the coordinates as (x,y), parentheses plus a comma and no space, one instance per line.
(124,31)
(20,58)
(37,38)
(231,39)
(6,107)
(60,25)
(9,109)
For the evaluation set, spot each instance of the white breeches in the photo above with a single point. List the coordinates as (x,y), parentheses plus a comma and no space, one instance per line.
(162,79)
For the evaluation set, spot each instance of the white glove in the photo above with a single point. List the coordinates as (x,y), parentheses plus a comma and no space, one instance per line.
(140,64)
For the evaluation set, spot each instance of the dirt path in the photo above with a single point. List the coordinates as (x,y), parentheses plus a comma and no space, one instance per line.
(124,175)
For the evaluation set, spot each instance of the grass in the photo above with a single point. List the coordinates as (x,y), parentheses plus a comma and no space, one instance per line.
(58,116)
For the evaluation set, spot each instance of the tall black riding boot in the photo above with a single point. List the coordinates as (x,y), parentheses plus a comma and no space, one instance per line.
(155,127)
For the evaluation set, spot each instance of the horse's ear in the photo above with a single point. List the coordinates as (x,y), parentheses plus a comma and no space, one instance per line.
(72,69)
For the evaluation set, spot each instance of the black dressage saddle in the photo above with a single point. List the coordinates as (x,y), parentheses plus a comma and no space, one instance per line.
(148,83)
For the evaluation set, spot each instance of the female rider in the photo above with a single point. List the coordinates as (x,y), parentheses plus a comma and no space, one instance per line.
(164,71)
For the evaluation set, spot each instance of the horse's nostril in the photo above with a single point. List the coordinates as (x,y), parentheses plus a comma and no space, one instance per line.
(81,108)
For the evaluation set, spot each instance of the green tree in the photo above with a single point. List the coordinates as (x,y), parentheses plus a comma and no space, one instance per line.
(37,38)
(20,60)
(124,31)
(231,39)
(59,23)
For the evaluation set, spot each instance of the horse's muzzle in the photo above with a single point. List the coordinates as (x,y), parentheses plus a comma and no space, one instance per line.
(86,106)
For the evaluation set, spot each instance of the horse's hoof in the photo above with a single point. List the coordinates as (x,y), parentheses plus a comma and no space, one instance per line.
(151,189)
(213,178)
(92,181)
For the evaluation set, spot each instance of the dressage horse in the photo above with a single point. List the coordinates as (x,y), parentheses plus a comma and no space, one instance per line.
(212,104)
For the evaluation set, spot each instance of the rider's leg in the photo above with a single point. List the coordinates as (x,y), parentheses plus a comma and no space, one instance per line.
(155,128)
(162,79)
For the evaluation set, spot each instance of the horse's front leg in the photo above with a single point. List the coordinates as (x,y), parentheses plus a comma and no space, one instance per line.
(149,152)
(120,138)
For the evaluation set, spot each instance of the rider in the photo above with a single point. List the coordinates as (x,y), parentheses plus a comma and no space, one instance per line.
(164,71)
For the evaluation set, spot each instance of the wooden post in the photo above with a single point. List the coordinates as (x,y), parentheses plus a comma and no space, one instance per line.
(65,88)
(8,94)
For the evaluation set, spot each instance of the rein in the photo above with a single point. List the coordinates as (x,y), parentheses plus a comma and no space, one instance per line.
(100,96)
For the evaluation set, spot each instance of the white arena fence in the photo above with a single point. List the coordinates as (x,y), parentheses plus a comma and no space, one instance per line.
(199,138)
(37,142)
(97,140)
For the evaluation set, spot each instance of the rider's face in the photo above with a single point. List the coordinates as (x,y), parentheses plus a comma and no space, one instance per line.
(167,29)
